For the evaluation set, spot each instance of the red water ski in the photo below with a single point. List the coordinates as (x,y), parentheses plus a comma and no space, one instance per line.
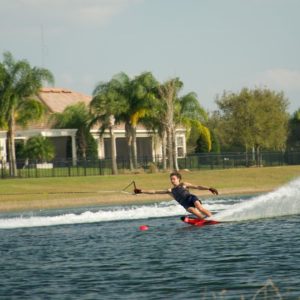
(197,222)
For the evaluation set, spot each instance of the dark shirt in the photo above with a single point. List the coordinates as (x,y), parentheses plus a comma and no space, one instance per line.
(182,195)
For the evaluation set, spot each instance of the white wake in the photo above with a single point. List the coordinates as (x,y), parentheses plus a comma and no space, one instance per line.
(158,210)
(281,202)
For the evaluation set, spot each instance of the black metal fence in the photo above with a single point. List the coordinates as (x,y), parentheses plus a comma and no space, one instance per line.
(67,168)
(238,160)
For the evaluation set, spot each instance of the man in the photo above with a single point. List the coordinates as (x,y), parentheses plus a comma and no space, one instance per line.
(180,192)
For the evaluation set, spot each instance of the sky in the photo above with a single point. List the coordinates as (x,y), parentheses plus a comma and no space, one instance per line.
(211,45)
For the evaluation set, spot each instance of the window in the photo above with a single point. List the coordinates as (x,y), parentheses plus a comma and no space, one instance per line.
(180,146)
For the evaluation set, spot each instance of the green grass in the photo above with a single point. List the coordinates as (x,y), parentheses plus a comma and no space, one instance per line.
(54,191)
(263,178)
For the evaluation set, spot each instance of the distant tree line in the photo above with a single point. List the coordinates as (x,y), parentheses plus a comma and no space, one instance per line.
(250,120)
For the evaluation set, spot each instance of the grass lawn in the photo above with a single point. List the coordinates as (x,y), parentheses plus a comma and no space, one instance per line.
(43,193)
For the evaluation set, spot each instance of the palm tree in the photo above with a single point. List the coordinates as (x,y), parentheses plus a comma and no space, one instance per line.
(190,109)
(106,107)
(77,116)
(39,148)
(176,111)
(122,86)
(191,115)
(154,121)
(142,99)
(168,93)
(138,93)
(19,82)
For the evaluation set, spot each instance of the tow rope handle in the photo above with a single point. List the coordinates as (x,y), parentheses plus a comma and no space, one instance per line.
(130,184)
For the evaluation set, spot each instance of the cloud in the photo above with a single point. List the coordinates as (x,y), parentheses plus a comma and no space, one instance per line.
(61,13)
(283,79)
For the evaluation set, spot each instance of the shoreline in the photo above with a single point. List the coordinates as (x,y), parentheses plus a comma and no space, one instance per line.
(33,194)
(114,199)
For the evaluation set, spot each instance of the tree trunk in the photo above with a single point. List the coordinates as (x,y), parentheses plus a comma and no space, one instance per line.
(170,148)
(113,151)
(83,145)
(168,94)
(11,146)
(129,143)
(164,150)
(134,147)
(175,161)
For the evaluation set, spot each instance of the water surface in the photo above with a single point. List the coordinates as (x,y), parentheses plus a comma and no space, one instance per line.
(100,253)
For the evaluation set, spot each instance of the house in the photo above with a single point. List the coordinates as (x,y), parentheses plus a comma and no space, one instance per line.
(149,144)
(55,100)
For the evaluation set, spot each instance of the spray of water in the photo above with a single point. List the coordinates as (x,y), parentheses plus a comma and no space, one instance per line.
(281,202)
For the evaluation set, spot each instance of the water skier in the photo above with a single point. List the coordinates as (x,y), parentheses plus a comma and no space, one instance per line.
(180,192)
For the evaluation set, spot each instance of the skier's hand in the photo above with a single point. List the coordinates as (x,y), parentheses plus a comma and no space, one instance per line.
(213,191)
(137,191)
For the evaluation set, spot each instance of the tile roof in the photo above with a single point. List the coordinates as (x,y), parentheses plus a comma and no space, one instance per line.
(57,99)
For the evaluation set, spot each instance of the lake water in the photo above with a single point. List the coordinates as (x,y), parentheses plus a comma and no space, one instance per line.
(100,253)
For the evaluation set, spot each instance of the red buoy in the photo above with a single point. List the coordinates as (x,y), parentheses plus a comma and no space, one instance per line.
(144,227)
